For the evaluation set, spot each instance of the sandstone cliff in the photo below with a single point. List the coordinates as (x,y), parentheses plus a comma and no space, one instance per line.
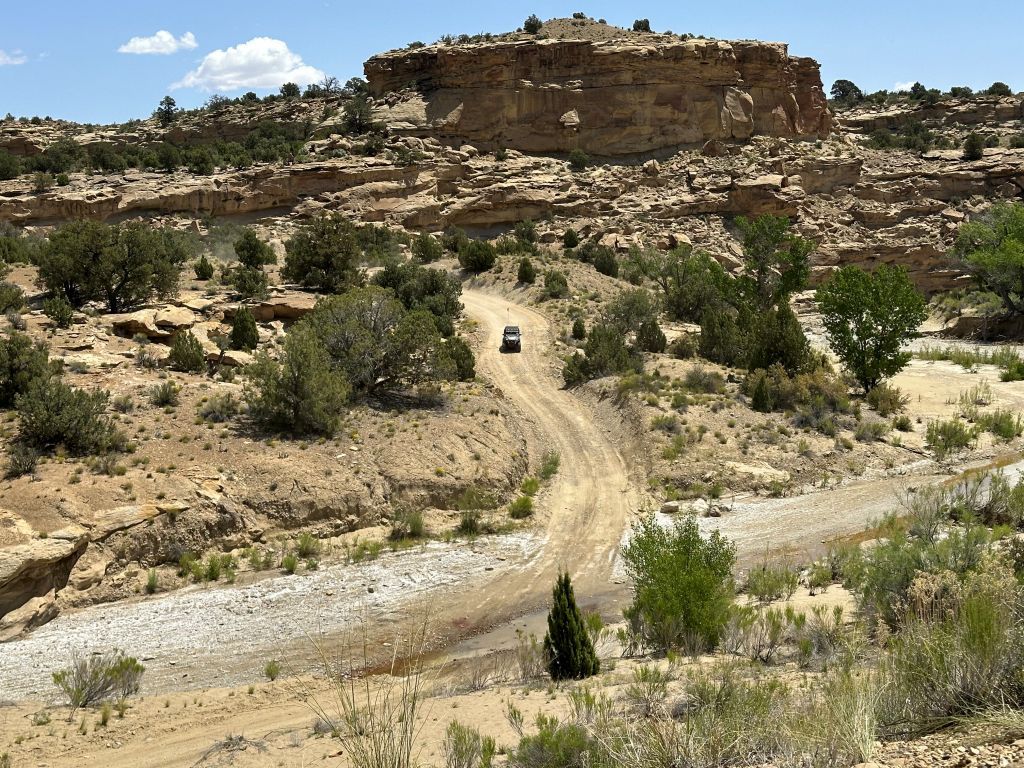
(614,97)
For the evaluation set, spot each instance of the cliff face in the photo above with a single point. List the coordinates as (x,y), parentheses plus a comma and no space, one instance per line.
(606,98)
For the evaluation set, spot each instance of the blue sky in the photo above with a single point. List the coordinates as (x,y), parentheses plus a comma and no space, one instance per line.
(62,57)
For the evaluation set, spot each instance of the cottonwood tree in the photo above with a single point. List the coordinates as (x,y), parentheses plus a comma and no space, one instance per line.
(868,317)
(992,249)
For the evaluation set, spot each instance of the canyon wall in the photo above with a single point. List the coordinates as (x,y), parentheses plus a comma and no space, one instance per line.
(605,98)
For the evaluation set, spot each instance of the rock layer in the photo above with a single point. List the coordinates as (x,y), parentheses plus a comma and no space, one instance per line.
(606,98)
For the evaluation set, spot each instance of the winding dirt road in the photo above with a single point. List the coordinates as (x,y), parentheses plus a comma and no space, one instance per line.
(202,637)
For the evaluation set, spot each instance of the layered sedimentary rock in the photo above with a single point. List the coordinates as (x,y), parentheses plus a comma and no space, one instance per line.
(606,98)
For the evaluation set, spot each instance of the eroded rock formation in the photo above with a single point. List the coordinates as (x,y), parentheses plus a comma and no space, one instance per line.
(616,97)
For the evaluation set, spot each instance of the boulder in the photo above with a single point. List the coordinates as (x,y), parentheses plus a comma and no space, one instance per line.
(138,323)
(289,306)
(174,319)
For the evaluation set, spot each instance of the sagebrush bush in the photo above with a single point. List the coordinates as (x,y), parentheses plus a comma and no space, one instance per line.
(98,677)
(219,407)
(887,399)
(165,394)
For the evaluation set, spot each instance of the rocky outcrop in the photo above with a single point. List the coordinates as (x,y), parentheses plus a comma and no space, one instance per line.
(987,110)
(30,576)
(616,97)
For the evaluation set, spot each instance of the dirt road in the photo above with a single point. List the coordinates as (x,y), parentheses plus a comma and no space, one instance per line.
(204,637)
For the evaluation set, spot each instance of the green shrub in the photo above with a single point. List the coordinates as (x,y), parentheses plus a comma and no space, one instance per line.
(10,166)
(308,546)
(12,298)
(98,677)
(301,393)
(244,333)
(289,563)
(943,437)
(521,508)
(462,357)
(974,147)
(770,582)
(549,465)
(22,362)
(187,353)
(21,460)
(650,337)
(700,379)
(59,311)
(203,268)
(570,238)
(272,669)
(426,249)
(567,644)
(219,407)
(579,329)
(1003,423)
(871,431)
(465,748)
(606,263)
(52,414)
(556,286)
(477,256)
(682,583)
(165,394)
(578,160)
(326,253)
(902,423)
(469,522)
(408,524)
(959,653)
(529,486)
(606,353)
(887,399)
(526,274)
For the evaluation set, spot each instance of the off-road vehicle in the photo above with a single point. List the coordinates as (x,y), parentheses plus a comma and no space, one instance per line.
(511,339)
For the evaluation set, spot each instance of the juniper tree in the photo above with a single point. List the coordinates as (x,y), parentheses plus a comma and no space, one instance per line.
(567,644)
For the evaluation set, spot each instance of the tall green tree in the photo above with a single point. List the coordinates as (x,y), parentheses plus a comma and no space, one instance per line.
(868,317)
(325,254)
(776,261)
(377,344)
(567,644)
(248,277)
(167,111)
(992,249)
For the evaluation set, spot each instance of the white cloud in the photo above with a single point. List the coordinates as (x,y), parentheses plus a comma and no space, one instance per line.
(12,59)
(903,86)
(262,62)
(163,42)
